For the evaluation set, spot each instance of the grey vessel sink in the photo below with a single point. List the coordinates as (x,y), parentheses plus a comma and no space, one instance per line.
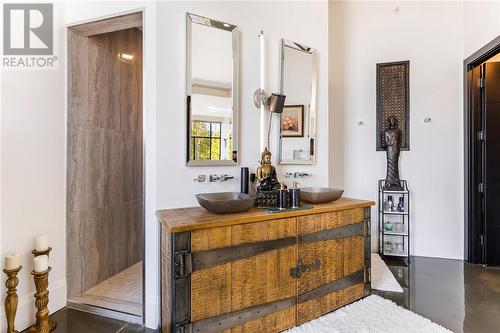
(320,194)
(226,202)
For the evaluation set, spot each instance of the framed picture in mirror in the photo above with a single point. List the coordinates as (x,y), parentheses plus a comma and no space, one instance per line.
(292,121)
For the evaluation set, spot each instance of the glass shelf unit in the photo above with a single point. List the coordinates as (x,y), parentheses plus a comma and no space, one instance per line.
(394,221)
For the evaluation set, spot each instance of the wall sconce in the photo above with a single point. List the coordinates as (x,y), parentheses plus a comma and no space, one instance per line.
(273,103)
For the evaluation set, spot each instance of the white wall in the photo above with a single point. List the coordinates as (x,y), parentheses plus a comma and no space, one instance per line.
(33,175)
(429,34)
(481,24)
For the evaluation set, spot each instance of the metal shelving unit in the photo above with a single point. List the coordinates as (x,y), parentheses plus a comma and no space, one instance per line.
(394,222)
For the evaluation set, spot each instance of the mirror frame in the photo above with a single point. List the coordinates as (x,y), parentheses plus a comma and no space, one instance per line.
(197,19)
(313,104)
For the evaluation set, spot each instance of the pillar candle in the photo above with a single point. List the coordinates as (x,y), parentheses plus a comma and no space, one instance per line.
(41,263)
(41,243)
(12,261)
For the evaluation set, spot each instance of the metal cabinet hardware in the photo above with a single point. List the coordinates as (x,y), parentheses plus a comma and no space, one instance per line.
(296,272)
(298,174)
(183,264)
(221,178)
(200,178)
(183,327)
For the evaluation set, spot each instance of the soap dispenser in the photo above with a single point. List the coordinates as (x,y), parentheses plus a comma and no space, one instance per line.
(282,197)
(295,196)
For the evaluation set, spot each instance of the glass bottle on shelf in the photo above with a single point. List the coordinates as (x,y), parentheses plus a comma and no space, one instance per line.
(401,205)
(390,203)
(389,226)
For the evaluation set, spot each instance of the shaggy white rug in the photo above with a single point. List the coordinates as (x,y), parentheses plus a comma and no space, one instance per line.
(372,314)
(382,277)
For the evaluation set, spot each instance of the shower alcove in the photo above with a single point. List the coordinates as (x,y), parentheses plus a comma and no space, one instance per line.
(105,167)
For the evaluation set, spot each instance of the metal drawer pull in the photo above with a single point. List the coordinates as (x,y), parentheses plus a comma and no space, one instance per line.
(296,272)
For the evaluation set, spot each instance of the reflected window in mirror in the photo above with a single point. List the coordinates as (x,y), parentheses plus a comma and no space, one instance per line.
(298,81)
(212,96)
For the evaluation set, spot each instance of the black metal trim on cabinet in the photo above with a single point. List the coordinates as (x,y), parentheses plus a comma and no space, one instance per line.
(342,283)
(226,321)
(206,259)
(350,230)
(181,284)
(368,255)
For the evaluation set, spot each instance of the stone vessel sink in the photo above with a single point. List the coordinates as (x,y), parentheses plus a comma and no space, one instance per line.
(226,202)
(320,194)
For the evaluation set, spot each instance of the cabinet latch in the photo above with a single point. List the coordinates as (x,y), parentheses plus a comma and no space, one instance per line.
(183,327)
(366,228)
(183,264)
(296,272)
(367,274)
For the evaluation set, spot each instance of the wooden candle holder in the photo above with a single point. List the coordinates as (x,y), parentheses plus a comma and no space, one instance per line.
(11,299)
(41,253)
(43,324)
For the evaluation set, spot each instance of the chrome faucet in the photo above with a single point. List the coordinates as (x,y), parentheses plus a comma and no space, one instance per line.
(298,174)
(221,178)
(200,178)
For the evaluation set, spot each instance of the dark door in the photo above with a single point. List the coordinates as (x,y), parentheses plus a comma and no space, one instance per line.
(475,166)
(491,163)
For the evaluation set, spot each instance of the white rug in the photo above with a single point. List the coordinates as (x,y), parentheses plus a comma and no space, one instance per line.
(382,277)
(372,314)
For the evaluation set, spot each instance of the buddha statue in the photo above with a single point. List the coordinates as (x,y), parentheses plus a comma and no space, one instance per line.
(266,173)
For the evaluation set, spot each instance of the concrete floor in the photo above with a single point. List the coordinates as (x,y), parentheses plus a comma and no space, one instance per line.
(462,297)
(74,321)
(459,296)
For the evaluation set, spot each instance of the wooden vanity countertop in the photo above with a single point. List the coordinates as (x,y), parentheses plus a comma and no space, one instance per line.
(194,218)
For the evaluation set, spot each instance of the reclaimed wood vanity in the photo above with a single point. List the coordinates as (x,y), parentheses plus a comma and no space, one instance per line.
(261,272)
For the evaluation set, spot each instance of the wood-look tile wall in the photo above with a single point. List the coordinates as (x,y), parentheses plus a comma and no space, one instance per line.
(104,181)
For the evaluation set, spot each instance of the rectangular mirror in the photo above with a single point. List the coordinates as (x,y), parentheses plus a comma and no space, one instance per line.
(298,81)
(211,91)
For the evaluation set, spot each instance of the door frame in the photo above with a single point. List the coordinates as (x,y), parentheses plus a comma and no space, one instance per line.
(470,187)
(86,28)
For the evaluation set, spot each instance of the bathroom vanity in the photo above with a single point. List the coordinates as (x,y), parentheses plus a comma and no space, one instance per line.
(261,272)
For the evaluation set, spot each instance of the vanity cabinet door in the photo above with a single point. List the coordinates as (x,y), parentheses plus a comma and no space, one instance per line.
(333,262)
(247,282)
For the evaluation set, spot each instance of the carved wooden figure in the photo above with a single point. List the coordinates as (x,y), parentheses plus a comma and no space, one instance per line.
(392,140)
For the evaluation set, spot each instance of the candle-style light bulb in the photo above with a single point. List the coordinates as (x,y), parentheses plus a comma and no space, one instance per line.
(262,87)
(262,61)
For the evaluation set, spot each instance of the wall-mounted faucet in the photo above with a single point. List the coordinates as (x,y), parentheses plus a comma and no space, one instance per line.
(200,178)
(221,178)
(298,174)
